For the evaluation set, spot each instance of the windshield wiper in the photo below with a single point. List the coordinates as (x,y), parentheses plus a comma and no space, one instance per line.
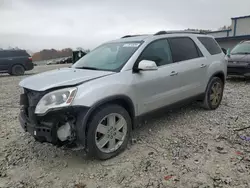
(89,68)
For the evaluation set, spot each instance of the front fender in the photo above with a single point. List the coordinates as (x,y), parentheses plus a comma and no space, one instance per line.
(96,90)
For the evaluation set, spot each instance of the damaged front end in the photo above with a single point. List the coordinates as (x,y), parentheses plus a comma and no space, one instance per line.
(57,126)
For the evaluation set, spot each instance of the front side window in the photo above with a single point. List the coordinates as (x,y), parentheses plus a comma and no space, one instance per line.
(183,48)
(243,48)
(157,51)
(110,57)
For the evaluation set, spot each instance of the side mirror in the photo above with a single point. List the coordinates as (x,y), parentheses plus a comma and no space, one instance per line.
(147,65)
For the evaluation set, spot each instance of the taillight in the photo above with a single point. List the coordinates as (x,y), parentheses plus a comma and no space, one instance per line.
(30,58)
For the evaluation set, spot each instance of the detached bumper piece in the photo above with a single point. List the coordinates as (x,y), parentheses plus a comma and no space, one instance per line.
(40,132)
(43,129)
(238,69)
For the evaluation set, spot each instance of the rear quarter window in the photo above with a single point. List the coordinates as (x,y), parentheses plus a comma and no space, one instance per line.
(14,53)
(20,53)
(210,44)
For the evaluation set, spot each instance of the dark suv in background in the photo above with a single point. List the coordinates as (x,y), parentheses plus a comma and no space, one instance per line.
(239,60)
(15,62)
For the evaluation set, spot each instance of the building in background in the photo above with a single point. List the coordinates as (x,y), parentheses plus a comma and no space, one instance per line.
(239,31)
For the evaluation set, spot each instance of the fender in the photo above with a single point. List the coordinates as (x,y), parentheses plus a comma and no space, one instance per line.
(83,117)
(215,74)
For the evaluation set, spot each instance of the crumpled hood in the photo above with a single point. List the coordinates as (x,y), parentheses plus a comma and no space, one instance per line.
(239,58)
(61,77)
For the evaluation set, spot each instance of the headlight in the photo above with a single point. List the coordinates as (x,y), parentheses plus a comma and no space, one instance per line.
(56,99)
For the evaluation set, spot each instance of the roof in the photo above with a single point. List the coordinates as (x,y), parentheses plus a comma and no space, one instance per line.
(134,39)
(139,38)
(240,17)
(11,50)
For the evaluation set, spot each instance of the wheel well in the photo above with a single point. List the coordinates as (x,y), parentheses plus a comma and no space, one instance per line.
(15,65)
(126,103)
(220,75)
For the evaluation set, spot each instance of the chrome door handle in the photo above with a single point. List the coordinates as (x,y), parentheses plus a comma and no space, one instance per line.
(203,65)
(173,73)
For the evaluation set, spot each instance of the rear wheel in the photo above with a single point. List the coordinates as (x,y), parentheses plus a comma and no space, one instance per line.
(17,70)
(214,94)
(109,131)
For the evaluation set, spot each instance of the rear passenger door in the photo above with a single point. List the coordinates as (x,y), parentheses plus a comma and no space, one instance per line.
(190,65)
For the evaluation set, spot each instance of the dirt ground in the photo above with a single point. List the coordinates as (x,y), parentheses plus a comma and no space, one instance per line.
(187,147)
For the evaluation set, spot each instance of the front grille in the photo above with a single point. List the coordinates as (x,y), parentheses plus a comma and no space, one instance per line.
(33,96)
(33,99)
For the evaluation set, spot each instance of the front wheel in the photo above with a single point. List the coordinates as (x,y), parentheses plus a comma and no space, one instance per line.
(214,94)
(108,132)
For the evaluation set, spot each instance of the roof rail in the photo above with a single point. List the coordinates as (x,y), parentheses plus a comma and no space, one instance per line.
(178,31)
(127,36)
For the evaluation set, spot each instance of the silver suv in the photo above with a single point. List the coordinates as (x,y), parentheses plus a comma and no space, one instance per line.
(97,102)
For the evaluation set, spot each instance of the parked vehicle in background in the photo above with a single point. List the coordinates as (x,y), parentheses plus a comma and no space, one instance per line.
(96,102)
(78,54)
(60,61)
(15,62)
(68,60)
(51,62)
(239,59)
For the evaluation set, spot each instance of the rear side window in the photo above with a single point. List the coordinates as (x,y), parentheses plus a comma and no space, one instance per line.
(210,44)
(183,48)
(19,53)
(13,53)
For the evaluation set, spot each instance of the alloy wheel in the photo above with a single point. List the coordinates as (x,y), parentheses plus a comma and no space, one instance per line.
(216,93)
(111,132)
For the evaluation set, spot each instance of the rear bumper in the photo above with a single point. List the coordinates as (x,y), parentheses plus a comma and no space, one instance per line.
(243,70)
(29,66)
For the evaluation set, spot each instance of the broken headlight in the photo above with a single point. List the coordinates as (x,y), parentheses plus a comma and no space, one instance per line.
(56,99)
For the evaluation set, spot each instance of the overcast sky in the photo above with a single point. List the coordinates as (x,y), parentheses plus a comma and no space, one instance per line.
(38,24)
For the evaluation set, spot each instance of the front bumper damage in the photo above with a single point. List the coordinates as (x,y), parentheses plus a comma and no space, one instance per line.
(45,128)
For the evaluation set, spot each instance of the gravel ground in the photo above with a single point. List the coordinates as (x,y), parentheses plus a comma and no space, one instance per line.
(187,147)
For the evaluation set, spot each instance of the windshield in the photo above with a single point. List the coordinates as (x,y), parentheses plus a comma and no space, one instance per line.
(243,48)
(110,56)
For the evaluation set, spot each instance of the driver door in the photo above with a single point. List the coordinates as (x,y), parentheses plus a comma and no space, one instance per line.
(156,88)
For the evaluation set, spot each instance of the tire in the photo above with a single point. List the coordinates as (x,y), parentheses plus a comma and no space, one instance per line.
(17,70)
(210,103)
(93,146)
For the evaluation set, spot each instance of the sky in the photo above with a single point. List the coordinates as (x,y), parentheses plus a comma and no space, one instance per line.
(46,24)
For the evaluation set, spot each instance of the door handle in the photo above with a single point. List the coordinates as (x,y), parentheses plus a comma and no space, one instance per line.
(203,65)
(10,59)
(173,73)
